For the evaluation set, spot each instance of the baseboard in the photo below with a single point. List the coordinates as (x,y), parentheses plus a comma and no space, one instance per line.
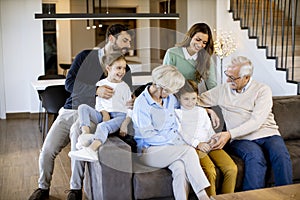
(24,115)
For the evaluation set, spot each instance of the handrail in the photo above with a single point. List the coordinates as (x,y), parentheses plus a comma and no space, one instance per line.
(274,24)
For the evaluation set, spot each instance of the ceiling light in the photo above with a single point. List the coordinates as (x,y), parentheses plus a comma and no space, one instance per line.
(105,16)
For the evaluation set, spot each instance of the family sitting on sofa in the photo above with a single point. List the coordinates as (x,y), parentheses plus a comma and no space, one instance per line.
(169,130)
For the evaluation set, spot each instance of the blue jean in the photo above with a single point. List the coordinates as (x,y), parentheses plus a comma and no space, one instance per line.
(86,114)
(110,126)
(256,154)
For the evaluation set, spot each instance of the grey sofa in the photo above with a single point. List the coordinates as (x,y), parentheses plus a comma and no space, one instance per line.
(124,178)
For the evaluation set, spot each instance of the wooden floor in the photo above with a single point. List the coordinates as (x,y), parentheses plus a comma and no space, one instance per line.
(20,143)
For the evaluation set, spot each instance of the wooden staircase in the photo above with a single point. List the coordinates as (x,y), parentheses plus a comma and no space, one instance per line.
(274,24)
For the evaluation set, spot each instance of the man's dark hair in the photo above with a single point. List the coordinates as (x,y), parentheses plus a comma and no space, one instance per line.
(116,29)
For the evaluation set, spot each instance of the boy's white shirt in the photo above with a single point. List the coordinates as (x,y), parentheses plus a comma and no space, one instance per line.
(194,125)
(117,103)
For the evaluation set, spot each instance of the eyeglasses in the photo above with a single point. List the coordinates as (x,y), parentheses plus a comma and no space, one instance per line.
(231,77)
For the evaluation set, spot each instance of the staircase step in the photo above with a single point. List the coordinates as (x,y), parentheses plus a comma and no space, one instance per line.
(280,51)
(296,74)
(291,70)
(289,61)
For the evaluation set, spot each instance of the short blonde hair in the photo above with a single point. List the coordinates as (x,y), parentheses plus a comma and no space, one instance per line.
(168,76)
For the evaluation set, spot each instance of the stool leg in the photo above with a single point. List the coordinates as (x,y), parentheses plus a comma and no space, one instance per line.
(45,126)
(41,117)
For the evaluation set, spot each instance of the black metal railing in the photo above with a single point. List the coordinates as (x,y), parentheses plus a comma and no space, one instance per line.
(274,24)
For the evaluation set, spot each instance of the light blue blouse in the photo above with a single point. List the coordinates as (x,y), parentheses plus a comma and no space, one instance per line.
(154,124)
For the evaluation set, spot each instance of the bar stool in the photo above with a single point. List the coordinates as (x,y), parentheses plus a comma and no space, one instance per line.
(46,77)
(65,67)
(53,98)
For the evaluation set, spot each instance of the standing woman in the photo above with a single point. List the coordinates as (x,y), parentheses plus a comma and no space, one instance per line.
(192,56)
(157,137)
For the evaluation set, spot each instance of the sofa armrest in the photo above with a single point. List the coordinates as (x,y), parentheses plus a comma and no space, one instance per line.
(116,170)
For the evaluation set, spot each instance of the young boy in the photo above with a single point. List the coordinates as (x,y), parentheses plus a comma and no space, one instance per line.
(196,130)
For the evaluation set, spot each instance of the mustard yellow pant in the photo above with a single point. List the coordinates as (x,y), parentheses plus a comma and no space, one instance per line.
(224,162)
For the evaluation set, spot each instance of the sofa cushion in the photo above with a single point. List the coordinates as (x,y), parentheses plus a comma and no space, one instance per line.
(152,184)
(286,111)
(116,162)
(112,175)
(293,147)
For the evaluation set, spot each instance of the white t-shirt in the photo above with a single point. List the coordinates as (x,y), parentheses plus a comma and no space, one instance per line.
(194,125)
(117,103)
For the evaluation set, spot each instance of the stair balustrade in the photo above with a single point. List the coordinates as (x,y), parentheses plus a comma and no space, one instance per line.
(276,26)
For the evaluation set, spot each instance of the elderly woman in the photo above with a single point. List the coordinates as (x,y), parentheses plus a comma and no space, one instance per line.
(157,137)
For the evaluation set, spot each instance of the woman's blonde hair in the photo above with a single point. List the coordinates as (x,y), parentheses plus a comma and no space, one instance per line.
(168,76)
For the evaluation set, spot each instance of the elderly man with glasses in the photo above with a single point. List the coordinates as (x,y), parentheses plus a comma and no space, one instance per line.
(254,136)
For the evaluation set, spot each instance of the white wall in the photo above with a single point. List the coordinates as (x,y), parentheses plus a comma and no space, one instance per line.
(2,92)
(22,49)
(264,70)
(201,11)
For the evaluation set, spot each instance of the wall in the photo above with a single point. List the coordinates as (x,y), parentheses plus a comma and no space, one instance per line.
(201,11)
(181,25)
(63,35)
(80,37)
(264,70)
(2,92)
(143,37)
(22,51)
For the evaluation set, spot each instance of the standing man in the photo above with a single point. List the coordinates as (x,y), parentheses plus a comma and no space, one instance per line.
(81,83)
(247,109)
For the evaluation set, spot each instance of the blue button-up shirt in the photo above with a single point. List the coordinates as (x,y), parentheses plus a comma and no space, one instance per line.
(154,124)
